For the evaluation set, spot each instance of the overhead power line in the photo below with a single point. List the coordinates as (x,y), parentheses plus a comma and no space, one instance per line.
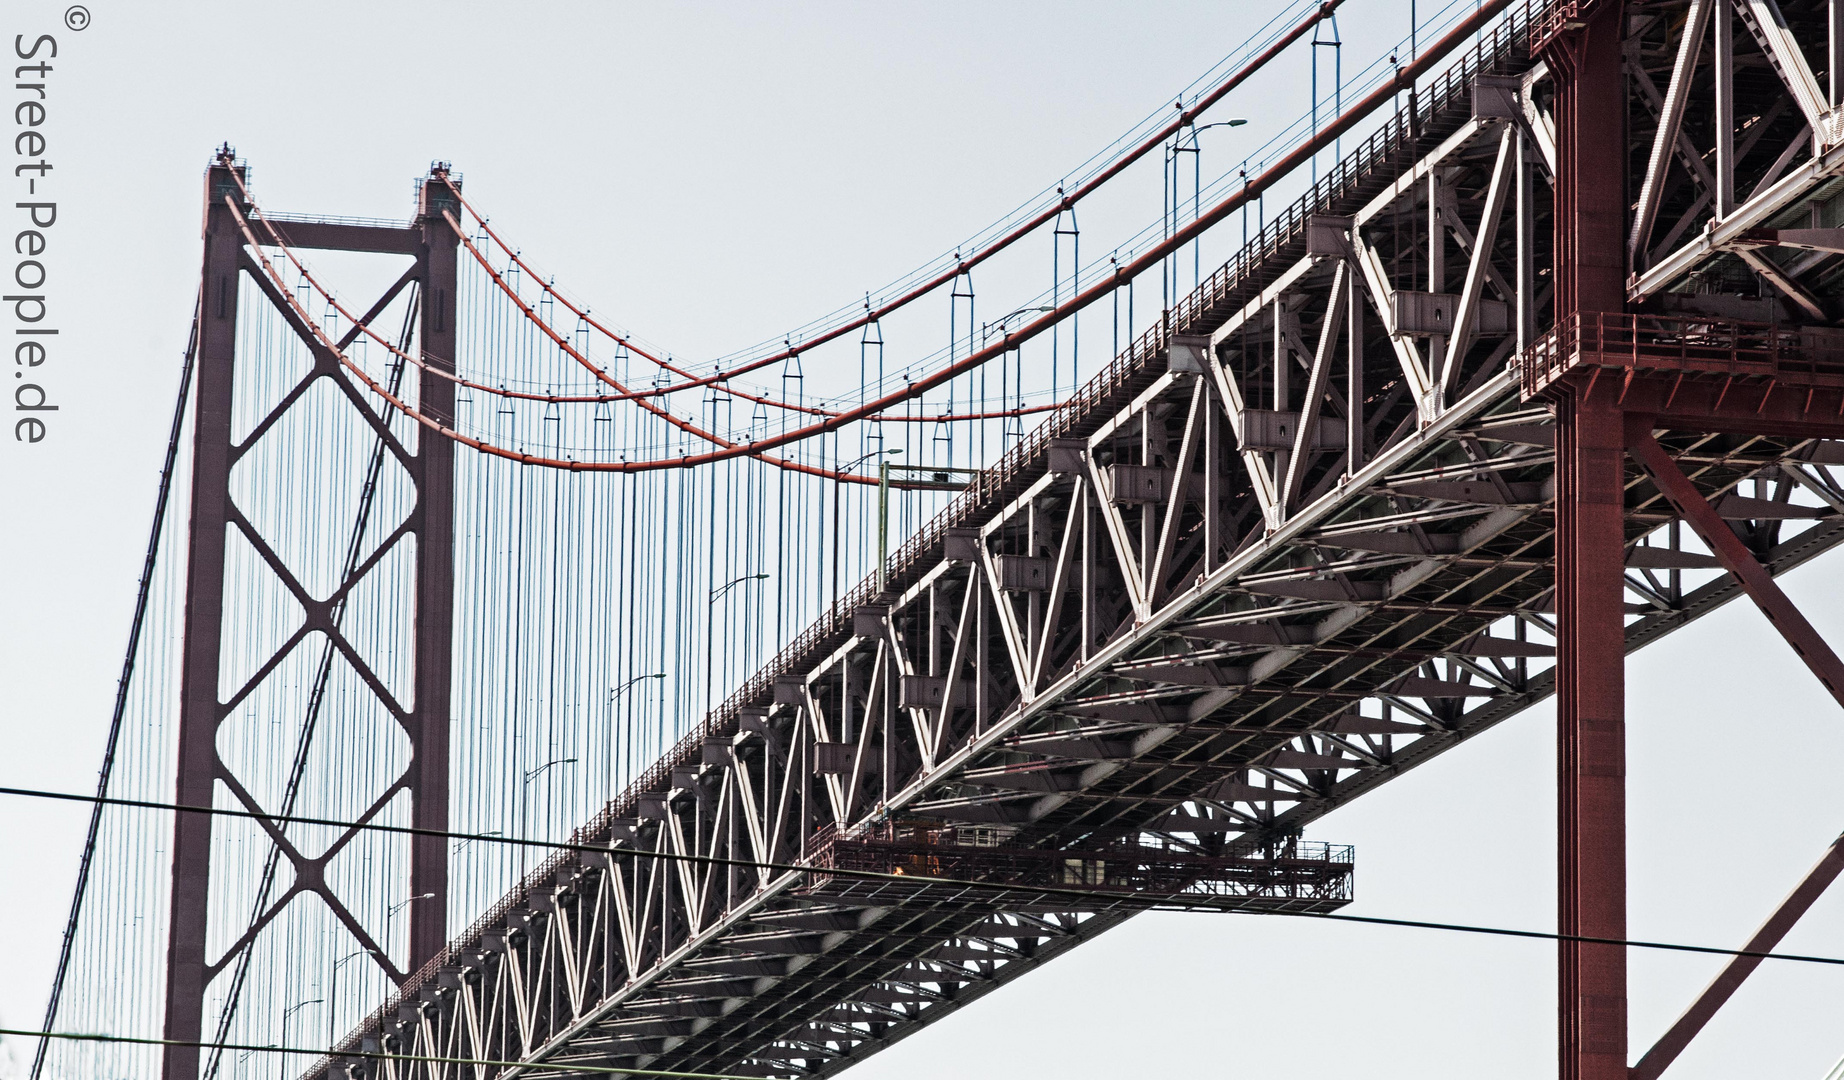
(372,1055)
(1137,901)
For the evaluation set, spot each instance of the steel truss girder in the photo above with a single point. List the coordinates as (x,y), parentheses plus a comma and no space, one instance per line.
(1173,620)
(1767,96)
(735,926)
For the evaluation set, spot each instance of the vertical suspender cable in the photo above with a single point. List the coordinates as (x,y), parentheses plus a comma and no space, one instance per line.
(121,687)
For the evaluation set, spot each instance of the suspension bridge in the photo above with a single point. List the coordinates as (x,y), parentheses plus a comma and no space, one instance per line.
(552,705)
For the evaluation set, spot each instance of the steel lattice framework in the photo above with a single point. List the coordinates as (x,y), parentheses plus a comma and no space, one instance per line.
(1315,529)
(419,530)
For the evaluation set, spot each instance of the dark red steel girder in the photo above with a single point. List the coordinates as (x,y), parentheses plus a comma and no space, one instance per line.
(1590,543)
(1730,979)
(435,578)
(1735,556)
(1591,737)
(1812,648)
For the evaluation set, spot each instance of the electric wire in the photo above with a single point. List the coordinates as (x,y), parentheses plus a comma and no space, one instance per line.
(375,1055)
(1137,901)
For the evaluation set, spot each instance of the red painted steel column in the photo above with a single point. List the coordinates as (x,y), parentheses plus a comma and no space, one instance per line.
(199,711)
(435,580)
(1591,737)
(1591,177)
(1590,537)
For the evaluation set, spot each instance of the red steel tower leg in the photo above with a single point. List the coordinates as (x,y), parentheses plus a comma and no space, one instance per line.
(186,966)
(435,584)
(1590,540)
(1591,737)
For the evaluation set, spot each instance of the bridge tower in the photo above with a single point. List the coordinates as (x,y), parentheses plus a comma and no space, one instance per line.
(208,771)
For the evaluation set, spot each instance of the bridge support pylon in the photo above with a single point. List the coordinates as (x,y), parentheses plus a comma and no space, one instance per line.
(1590,562)
(1591,736)
(1637,384)
(276,410)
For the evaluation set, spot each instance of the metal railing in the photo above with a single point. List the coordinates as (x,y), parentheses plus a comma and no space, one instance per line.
(280,218)
(1692,344)
(1128,869)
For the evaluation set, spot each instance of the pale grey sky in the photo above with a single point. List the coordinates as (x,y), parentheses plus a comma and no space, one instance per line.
(713,174)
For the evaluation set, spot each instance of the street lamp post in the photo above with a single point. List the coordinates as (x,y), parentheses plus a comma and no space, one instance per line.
(608,764)
(554,761)
(333,993)
(1006,374)
(626,686)
(1001,322)
(1010,315)
(837,483)
(282,1062)
(401,904)
(525,799)
(471,839)
(1178,147)
(710,635)
(391,913)
(733,583)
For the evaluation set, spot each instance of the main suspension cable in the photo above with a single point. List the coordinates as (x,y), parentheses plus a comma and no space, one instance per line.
(1184,118)
(719,379)
(690,380)
(1403,78)
(728,448)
